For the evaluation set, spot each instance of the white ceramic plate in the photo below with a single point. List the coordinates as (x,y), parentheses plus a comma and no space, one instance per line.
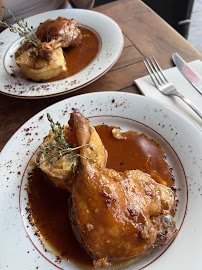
(20,249)
(111,45)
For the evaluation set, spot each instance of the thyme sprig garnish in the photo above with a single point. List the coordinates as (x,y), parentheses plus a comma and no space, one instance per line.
(60,147)
(23,30)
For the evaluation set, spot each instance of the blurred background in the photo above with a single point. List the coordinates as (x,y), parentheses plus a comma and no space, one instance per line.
(195,30)
(185,16)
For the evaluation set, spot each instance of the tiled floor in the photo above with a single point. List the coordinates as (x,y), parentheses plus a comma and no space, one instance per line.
(195,30)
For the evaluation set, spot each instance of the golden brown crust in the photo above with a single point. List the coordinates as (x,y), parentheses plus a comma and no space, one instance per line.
(38,68)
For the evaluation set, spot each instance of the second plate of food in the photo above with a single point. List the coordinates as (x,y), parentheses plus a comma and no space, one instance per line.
(99,49)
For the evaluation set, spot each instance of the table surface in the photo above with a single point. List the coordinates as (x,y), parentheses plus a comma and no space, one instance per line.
(145,34)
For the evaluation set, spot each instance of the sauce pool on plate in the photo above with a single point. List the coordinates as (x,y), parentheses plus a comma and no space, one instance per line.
(80,56)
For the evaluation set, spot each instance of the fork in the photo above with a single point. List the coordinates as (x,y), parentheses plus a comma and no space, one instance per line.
(163,84)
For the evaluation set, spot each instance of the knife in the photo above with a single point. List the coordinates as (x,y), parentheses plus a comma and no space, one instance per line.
(188,72)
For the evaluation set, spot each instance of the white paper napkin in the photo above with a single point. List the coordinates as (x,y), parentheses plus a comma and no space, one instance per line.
(183,86)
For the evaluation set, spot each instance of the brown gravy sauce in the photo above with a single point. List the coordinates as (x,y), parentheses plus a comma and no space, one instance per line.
(49,204)
(79,57)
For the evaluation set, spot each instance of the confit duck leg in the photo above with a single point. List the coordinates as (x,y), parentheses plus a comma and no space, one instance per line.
(57,33)
(116,216)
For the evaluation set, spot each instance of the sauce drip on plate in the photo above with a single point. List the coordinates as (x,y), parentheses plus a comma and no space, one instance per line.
(136,151)
(49,204)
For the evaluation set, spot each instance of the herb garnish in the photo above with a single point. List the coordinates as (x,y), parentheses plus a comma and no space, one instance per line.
(60,147)
(23,30)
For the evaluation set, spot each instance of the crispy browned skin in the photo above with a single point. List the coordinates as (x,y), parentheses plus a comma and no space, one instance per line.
(53,34)
(58,33)
(66,30)
(115,215)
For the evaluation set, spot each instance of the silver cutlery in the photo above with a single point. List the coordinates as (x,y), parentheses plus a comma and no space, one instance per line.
(163,84)
(188,72)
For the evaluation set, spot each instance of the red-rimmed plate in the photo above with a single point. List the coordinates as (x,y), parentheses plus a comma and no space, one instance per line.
(110,41)
(180,140)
